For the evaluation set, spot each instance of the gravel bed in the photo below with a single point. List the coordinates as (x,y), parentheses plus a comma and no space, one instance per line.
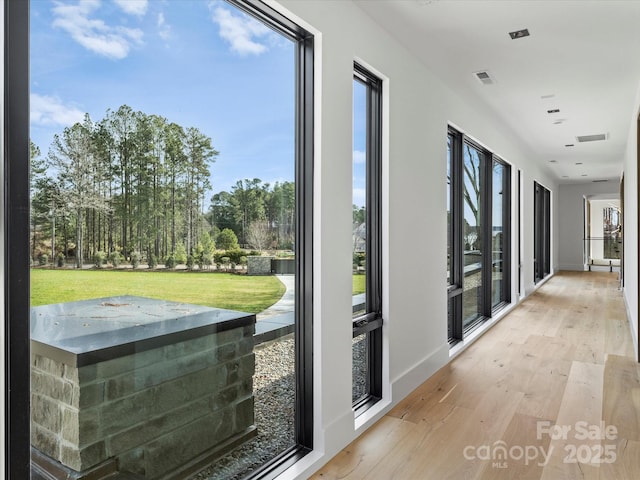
(274,396)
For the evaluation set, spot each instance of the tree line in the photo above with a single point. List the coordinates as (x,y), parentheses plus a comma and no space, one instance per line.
(137,184)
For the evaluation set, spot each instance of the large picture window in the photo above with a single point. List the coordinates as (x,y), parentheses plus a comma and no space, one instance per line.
(367,239)
(166,319)
(478,233)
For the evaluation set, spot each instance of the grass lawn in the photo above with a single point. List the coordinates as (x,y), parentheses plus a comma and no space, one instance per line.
(358,283)
(223,290)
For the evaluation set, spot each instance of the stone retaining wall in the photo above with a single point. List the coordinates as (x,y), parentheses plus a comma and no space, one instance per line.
(152,411)
(259,265)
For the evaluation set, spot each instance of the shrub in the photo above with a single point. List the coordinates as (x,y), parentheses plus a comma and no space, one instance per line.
(170,262)
(190,262)
(99,259)
(243,261)
(206,259)
(227,240)
(115,258)
(61,259)
(225,260)
(135,259)
(180,254)
(43,259)
(153,261)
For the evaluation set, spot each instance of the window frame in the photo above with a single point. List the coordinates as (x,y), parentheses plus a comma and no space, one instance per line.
(371,321)
(16,235)
(16,240)
(541,232)
(458,140)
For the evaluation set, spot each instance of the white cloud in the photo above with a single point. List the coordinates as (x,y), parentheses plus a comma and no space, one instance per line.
(93,34)
(164,30)
(241,32)
(133,7)
(47,110)
(359,156)
(359,197)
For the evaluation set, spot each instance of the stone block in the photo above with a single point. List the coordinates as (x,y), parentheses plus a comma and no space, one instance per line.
(83,458)
(133,462)
(247,366)
(223,398)
(81,427)
(229,336)
(156,427)
(244,414)
(227,352)
(183,444)
(54,387)
(46,412)
(259,265)
(48,365)
(245,345)
(45,441)
(91,394)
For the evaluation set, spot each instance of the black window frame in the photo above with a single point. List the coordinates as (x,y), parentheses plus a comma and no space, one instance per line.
(457,141)
(506,234)
(371,321)
(541,232)
(15,211)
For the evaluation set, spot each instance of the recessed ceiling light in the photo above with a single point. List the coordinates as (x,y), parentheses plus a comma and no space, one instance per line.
(560,121)
(546,97)
(519,34)
(555,110)
(584,175)
(565,176)
(569,145)
(578,163)
(553,161)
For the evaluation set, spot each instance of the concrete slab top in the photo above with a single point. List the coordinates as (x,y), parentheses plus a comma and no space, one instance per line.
(94,330)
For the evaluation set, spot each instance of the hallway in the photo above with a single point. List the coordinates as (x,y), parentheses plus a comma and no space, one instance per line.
(526,401)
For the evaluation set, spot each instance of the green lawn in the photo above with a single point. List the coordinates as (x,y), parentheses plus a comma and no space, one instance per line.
(235,292)
(358,283)
(223,290)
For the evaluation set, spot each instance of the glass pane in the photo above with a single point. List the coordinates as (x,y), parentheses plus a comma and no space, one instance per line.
(359,197)
(449,225)
(360,367)
(497,235)
(611,229)
(162,193)
(473,247)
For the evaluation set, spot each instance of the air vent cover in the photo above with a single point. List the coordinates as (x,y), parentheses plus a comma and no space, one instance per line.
(484,77)
(592,138)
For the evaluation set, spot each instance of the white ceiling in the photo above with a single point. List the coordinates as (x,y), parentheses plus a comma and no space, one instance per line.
(585,53)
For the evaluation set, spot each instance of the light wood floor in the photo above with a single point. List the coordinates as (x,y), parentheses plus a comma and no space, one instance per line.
(526,401)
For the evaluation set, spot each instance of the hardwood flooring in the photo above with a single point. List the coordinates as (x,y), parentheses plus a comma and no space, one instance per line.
(551,392)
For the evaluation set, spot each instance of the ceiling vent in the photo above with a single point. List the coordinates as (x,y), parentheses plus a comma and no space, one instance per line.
(519,34)
(484,77)
(592,138)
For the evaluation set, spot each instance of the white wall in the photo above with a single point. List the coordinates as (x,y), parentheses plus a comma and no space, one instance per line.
(571,212)
(419,108)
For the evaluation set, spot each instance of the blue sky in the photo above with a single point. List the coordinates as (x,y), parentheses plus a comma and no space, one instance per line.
(200,64)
